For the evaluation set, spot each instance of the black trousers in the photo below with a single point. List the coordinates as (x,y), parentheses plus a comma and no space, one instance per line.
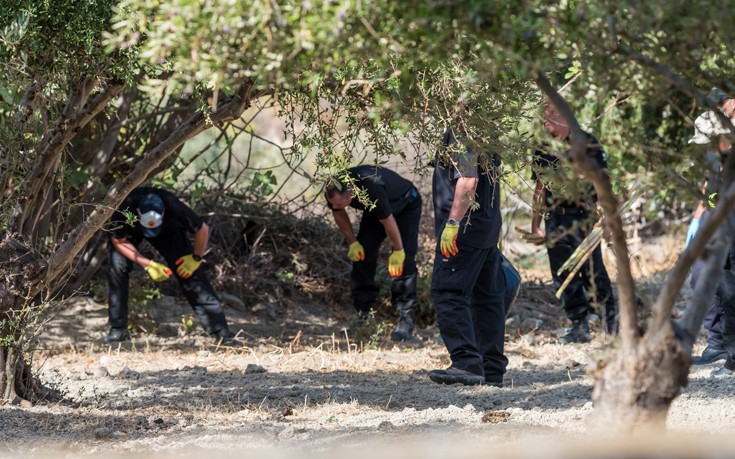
(197,289)
(714,320)
(371,234)
(468,294)
(591,281)
(726,293)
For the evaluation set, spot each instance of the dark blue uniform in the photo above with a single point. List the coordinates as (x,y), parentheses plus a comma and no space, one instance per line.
(390,194)
(467,289)
(172,242)
(568,222)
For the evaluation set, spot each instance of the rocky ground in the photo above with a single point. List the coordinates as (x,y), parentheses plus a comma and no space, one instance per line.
(295,384)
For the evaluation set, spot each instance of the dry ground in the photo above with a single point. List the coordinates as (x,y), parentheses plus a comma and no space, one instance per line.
(295,385)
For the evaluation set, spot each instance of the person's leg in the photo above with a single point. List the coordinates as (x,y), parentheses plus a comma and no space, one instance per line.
(197,289)
(362,279)
(488,311)
(564,239)
(452,283)
(726,293)
(118,277)
(203,300)
(403,288)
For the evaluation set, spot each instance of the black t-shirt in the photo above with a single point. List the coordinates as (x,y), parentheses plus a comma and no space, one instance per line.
(560,182)
(479,228)
(386,189)
(177,216)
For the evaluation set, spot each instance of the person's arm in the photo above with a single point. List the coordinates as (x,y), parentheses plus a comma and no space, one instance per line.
(391,229)
(464,194)
(538,209)
(345,226)
(201,238)
(129,251)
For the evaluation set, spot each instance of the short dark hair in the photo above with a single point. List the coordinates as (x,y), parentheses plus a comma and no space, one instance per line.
(334,187)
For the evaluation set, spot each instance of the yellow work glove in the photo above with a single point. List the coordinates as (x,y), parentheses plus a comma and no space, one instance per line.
(449,240)
(395,263)
(356,253)
(158,271)
(187,265)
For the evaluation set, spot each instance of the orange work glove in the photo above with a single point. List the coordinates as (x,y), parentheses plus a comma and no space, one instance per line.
(395,263)
(449,240)
(158,272)
(187,265)
(357,252)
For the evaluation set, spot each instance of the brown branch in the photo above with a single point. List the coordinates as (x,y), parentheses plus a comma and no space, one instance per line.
(65,129)
(230,108)
(601,181)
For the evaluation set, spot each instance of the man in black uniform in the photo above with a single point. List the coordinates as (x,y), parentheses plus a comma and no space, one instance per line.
(164,221)
(568,221)
(395,211)
(466,286)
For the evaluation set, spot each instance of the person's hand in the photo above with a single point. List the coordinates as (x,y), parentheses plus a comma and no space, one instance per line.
(692,231)
(187,265)
(357,252)
(158,272)
(395,263)
(448,245)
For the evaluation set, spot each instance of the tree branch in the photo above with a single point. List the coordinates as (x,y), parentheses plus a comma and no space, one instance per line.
(601,181)
(230,108)
(65,129)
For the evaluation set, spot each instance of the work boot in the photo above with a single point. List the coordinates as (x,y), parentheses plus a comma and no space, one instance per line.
(727,370)
(709,355)
(456,376)
(493,380)
(580,333)
(223,337)
(404,327)
(116,335)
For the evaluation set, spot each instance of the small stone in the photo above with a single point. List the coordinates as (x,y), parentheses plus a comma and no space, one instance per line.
(386,425)
(529,339)
(158,421)
(496,417)
(532,323)
(254,369)
(104,433)
(101,372)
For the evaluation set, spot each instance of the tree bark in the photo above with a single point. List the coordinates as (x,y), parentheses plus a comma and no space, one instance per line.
(635,388)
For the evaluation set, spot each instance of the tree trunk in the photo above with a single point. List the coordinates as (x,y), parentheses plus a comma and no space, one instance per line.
(635,394)
(19,268)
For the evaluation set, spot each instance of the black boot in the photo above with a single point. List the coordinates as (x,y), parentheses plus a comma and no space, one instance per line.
(404,327)
(403,296)
(709,355)
(580,332)
(116,335)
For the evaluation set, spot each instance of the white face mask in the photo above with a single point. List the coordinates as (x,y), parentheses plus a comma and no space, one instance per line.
(150,219)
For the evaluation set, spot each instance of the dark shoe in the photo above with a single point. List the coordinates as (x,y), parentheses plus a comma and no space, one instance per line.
(494,381)
(404,327)
(456,376)
(580,333)
(723,372)
(709,355)
(116,335)
(223,337)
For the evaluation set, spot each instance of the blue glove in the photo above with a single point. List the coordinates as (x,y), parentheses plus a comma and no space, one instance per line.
(692,231)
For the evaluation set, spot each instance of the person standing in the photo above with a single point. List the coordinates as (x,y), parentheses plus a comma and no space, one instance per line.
(568,221)
(720,320)
(164,221)
(466,287)
(393,210)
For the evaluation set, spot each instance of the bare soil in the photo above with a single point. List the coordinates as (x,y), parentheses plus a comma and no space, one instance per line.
(296,384)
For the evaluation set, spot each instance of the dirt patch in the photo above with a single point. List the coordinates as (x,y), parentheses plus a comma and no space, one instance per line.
(296,383)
